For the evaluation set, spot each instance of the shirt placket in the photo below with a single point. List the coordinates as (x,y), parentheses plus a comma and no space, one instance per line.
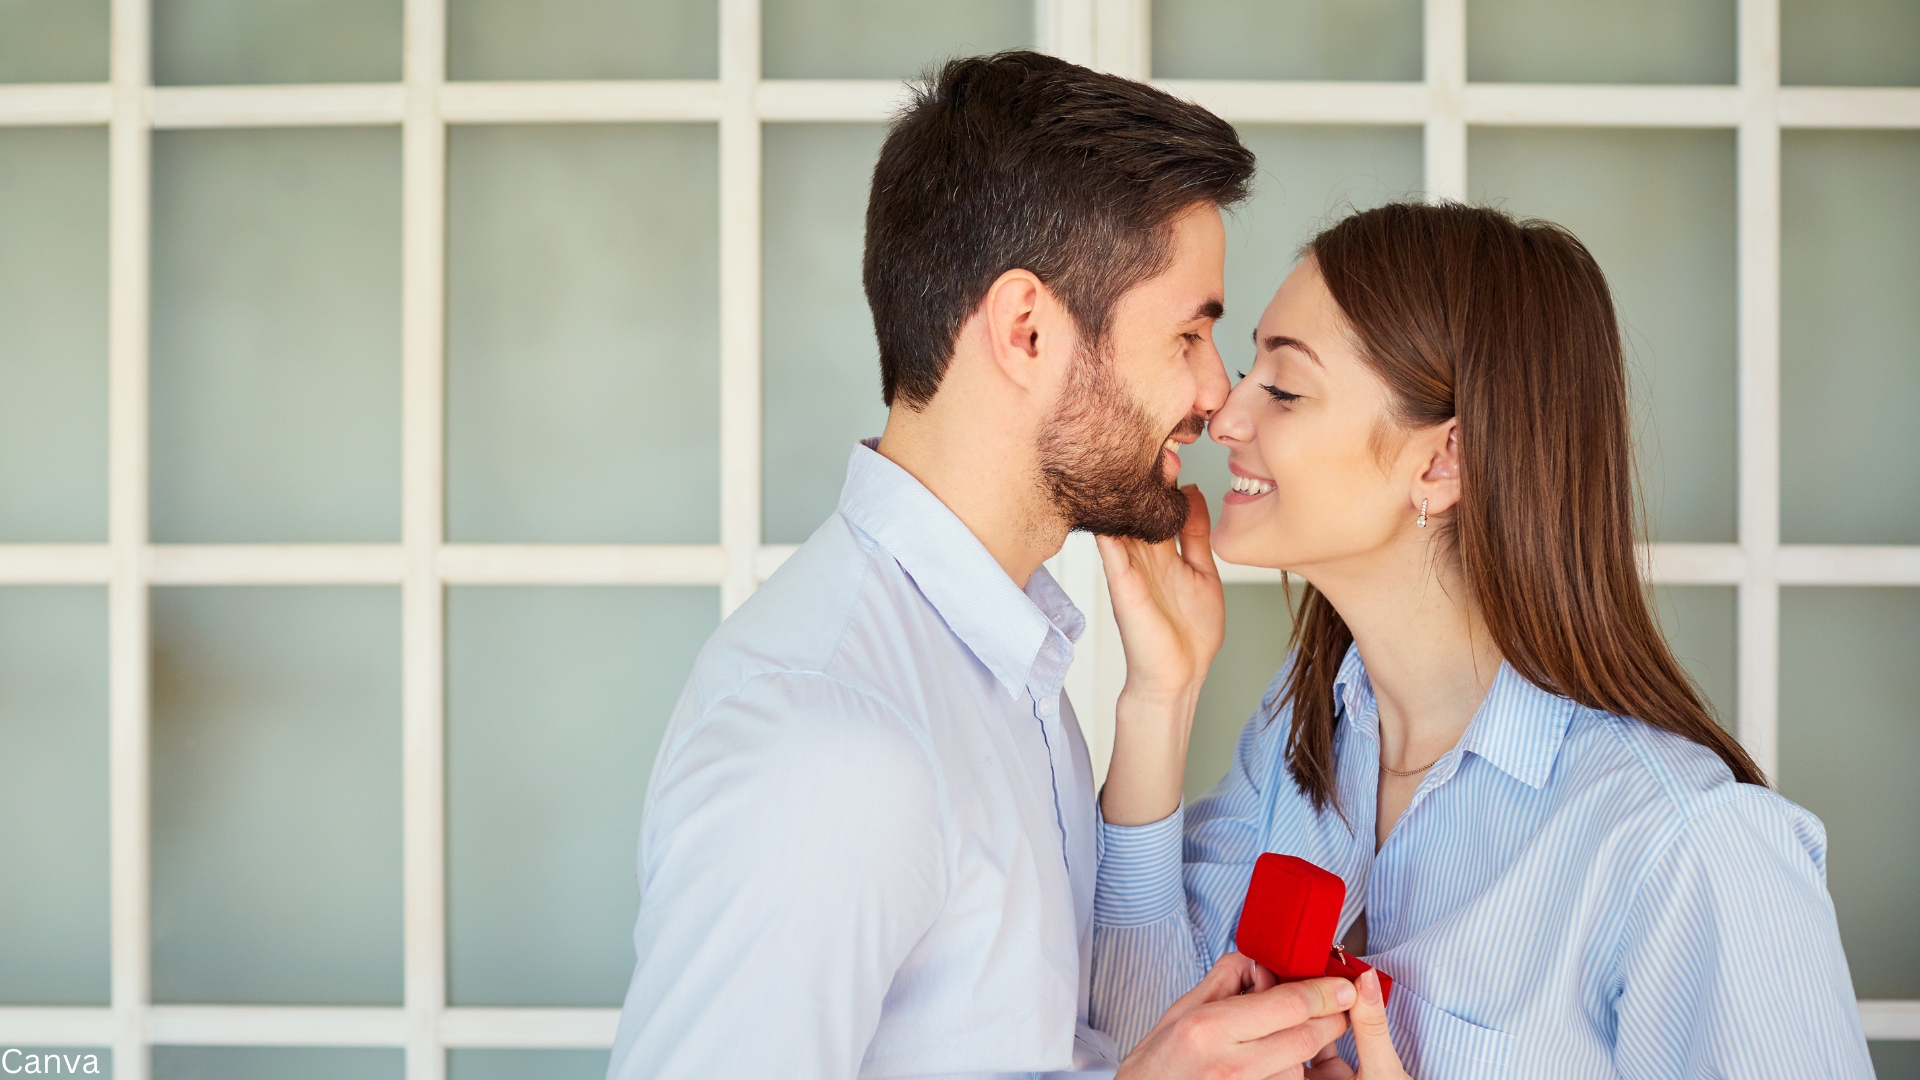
(1044,687)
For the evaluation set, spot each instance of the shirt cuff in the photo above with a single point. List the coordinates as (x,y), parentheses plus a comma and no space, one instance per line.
(1140,872)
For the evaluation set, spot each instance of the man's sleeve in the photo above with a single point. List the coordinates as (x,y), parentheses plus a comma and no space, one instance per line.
(793,853)
(1731,964)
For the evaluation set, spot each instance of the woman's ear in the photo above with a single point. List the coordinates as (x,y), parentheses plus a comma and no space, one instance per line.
(1438,485)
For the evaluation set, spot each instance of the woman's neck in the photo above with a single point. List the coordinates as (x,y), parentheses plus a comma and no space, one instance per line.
(1426,647)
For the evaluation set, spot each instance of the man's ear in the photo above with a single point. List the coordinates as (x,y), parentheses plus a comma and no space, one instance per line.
(1021,319)
(1438,485)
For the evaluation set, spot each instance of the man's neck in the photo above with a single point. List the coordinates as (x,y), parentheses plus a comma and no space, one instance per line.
(988,479)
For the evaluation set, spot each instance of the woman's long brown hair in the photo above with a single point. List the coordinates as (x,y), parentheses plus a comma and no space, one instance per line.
(1509,326)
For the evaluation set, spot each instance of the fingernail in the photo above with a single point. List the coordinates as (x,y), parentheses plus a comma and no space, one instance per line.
(1343,994)
(1370,987)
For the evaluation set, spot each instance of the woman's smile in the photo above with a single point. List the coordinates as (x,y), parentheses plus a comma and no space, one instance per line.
(1246,487)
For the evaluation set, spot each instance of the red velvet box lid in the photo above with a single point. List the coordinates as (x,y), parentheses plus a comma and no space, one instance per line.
(1291,914)
(1289,919)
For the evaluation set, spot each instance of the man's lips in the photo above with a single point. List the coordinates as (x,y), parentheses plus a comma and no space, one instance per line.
(1185,435)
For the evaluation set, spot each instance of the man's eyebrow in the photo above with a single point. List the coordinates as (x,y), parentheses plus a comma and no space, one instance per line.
(1281,341)
(1209,309)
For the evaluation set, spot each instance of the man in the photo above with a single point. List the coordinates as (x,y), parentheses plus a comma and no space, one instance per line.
(870,838)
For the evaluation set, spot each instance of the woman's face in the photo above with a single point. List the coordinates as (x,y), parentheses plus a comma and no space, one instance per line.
(1323,475)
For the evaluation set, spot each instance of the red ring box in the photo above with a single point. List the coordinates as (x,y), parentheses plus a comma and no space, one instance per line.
(1289,919)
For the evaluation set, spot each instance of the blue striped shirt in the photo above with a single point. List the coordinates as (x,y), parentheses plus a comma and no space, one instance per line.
(1568,894)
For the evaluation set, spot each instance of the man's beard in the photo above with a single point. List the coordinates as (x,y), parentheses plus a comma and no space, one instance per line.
(1100,458)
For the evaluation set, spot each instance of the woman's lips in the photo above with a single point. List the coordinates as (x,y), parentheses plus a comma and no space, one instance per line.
(1246,489)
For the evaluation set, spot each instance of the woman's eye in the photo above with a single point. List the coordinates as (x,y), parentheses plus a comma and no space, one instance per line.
(1278,394)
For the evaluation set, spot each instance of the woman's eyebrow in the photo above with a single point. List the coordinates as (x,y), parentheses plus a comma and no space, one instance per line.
(1278,341)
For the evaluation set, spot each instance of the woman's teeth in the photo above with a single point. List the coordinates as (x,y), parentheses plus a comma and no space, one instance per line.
(1247,485)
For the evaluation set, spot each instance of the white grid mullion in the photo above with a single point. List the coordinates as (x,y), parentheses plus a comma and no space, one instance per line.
(423,487)
(128,730)
(739,298)
(1446,75)
(1758,384)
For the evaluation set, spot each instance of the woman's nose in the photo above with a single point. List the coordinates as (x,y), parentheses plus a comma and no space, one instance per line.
(1230,425)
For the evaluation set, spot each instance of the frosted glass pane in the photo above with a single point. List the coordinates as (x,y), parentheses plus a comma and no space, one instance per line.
(1849,337)
(276,795)
(53,333)
(527,1064)
(556,700)
(1287,39)
(583,39)
(1895,1060)
(1850,43)
(1620,41)
(53,796)
(1849,740)
(1258,622)
(71,1059)
(821,374)
(53,41)
(1308,178)
(276,335)
(204,42)
(884,39)
(583,347)
(1656,208)
(1700,624)
(277,1063)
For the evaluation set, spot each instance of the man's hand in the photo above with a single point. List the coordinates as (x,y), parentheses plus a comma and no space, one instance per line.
(1378,1059)
(1238,1025)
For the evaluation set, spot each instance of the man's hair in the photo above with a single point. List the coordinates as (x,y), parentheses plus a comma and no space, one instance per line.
(1023,161)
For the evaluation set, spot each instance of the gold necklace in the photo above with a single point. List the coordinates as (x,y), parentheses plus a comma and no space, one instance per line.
(1411,772)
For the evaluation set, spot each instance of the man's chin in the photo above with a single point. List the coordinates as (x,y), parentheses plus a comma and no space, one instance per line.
(1154,518)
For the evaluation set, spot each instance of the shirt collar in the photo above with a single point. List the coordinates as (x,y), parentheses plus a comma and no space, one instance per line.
(1518,729)
(1005,627)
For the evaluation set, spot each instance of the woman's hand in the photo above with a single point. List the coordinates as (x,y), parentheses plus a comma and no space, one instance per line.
(1167,600)
(1378,1059)
(1172,616)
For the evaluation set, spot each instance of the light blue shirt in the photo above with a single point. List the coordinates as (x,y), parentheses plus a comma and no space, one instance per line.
(1569,894)
(869,843)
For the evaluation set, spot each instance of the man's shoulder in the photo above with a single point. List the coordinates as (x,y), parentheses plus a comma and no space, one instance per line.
(839,626)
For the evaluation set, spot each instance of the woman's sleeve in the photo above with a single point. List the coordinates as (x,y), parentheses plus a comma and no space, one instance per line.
(1731,962)
(1161,915)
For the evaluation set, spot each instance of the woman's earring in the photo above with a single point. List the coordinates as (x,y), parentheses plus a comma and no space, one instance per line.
(1423,514)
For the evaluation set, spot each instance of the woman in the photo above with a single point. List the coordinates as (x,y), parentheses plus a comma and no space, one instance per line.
(1567,866)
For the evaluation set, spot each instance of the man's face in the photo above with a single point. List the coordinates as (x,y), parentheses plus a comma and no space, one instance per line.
(1110,456)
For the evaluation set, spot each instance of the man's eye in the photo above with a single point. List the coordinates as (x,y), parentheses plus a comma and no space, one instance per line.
(1192,339)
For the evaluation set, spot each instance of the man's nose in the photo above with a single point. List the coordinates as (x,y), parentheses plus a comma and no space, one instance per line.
(1211,385)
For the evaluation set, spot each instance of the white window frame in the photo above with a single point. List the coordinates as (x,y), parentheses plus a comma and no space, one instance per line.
(1110,34)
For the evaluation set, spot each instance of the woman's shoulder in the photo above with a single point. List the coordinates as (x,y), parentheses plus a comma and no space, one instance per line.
(1665,787)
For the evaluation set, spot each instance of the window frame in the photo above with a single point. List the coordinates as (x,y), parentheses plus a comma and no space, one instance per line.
(1109,34)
